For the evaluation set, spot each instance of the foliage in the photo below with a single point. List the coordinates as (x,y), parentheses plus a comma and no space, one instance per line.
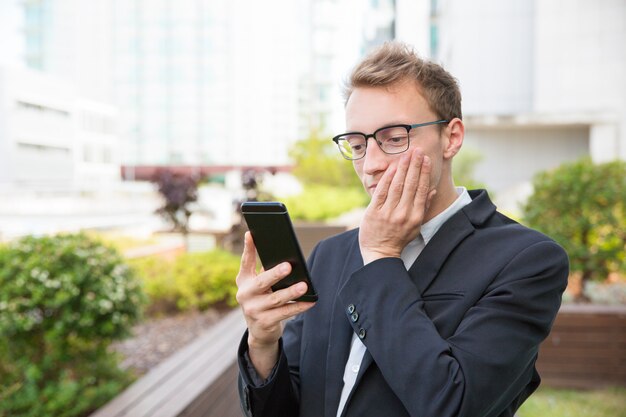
(464,166)
(582,206)
(159,285)
(317,161)
(204,279)
(322,202)
(119,241)
(177,191)
(331,187)
(192,281)
(63,300)
(609,402)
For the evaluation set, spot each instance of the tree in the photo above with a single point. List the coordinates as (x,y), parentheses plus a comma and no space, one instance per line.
(331,187)
(178,192)
(463,168)
(582,206)
(317,161)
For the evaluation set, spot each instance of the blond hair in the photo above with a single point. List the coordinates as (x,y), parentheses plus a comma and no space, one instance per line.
(395,62)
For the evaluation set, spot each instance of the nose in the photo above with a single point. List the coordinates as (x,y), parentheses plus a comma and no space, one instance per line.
(375,160)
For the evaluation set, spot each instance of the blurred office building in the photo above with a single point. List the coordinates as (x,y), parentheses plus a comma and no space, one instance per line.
(234,83)
(206,82)
(51,139)
(337,34)
(196,82)
(543,82)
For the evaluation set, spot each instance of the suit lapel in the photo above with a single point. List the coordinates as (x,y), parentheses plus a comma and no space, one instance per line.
(340,335)
(425,269)
(427,265)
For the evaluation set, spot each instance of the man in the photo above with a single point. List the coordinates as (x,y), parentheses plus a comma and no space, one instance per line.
(434,307)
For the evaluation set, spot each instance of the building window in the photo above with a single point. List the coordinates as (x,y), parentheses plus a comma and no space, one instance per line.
(32,107)
(34,147)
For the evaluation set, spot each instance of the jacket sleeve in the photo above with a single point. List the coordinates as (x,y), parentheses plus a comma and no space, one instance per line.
(484,365)
(279,394)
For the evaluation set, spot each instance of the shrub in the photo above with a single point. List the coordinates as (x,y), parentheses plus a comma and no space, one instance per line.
(331,187)
(192,281)
(464,166)
(178,191)
(582,206)
(317,161)
(159,284)
(63,300)
(205,279)
(322,202)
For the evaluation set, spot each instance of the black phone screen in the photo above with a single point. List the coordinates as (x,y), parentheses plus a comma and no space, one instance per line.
(276,242)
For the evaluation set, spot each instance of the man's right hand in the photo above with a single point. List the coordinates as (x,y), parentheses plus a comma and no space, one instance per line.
(264,309)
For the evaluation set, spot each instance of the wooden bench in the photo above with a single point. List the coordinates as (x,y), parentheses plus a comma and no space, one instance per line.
(197,381)
(586,348)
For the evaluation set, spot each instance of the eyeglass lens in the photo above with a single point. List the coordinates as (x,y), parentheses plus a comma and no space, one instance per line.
(391,140)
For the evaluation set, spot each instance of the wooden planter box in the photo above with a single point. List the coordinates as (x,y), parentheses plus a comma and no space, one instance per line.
(586,348)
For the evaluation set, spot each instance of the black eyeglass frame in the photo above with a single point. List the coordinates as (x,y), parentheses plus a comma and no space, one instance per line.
(373,135)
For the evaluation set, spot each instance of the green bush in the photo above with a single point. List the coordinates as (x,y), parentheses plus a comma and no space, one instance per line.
(192,281)
(159,285)
(582,206)
(317,161)
(322,202)
(63,300)
(464,166)
(331,187)
(204,279)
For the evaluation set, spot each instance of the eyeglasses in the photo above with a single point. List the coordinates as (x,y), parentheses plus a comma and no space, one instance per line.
(391,140)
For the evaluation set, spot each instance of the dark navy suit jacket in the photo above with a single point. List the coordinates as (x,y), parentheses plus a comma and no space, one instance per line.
(455,336)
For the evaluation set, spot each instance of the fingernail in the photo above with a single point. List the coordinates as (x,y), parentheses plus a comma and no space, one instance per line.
(301,287)
(284,267)
(426,160)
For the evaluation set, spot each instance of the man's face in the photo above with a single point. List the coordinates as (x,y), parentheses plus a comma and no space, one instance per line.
(370,108)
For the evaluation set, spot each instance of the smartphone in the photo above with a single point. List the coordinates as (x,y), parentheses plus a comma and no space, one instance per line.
(276,242)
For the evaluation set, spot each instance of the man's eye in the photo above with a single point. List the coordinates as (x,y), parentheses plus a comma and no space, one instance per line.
(357,147)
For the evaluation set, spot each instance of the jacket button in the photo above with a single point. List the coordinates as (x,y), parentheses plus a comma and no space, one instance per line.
(361,334)
(354,317)
(351,308)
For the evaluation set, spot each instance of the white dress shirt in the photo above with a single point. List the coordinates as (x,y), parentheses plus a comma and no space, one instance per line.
(409,255)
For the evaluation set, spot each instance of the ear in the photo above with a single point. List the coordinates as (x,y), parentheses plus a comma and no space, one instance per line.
(455,132)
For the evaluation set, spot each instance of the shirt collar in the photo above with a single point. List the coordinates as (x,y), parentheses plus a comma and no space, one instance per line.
(429,228)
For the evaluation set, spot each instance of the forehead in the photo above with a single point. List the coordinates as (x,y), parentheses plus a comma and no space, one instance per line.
(370,108)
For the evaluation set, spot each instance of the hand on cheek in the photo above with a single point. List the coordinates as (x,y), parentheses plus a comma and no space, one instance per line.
(397,209)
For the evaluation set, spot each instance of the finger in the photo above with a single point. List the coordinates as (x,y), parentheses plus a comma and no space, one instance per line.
(413,176)
(382,188)
(431,195)
(265,280)
(288,311)
(281,297)
(396,188)
(247,267)
(423,187)
(248,258)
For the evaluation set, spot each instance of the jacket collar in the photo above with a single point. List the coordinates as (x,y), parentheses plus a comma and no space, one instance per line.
(462,224)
